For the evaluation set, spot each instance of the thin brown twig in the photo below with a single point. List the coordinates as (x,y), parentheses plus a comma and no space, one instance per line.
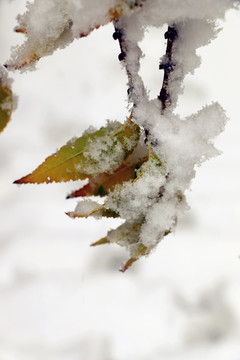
(167,65)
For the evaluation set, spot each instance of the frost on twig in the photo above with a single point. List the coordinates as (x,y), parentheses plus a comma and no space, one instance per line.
(180,59)
(130,57)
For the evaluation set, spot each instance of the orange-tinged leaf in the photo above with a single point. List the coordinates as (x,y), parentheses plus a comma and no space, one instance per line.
(88,155)
(101,184)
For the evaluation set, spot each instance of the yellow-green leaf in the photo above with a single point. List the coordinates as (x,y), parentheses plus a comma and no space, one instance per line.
(6,105)
(102,241)
(91,154)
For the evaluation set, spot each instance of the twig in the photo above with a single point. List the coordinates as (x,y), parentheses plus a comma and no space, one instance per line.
(168,66)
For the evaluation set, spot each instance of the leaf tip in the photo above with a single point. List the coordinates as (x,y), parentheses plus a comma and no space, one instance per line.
(128,264)
(102,241)
(70,214)
(73,194)
(19,181)
(23,180)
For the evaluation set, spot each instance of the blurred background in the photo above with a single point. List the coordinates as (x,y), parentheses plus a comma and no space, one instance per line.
(61,299)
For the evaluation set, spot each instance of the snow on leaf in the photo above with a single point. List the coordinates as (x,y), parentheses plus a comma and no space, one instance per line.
(53,24)
(133,198)
(89,155)
(84,209)
(88,208)
(127,235)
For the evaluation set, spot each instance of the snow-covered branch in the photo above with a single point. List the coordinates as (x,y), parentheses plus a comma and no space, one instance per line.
(143,167)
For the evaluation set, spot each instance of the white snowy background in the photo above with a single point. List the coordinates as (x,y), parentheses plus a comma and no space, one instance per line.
(61,299)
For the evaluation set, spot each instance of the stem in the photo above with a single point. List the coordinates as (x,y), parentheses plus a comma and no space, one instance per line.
(168,66)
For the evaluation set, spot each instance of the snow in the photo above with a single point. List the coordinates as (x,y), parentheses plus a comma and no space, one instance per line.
(134,199)
(84,208)
(61,299)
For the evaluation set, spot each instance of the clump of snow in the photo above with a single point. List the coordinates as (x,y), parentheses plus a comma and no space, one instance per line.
(155,199)
(107,152)
(103,155)
(46,25)
(182,143)
(161,218)
(134,198)
(85,208)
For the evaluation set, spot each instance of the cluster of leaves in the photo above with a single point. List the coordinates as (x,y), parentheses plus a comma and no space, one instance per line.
(118,161)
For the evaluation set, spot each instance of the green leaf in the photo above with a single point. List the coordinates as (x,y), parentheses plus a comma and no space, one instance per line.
(6,105)
(91,154)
